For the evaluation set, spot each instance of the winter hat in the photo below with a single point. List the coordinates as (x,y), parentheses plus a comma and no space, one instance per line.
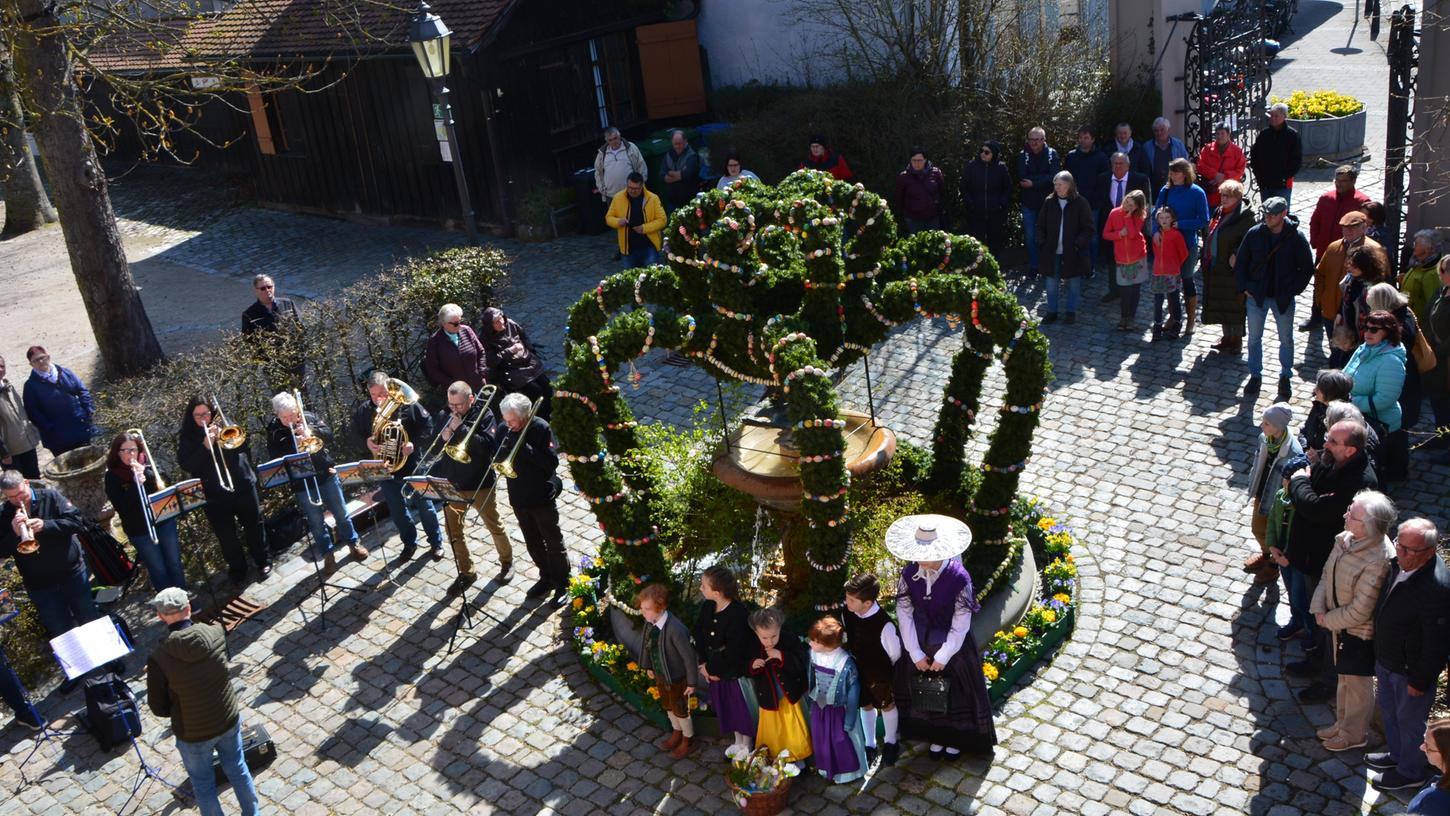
(1279,415)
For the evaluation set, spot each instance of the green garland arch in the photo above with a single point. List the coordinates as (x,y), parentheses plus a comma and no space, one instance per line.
(778,286)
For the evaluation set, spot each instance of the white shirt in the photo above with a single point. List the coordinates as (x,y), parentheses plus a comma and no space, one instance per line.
(833,659)
(1120,189)
(660,624)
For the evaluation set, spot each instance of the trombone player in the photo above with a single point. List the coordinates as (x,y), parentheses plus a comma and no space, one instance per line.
(533,490)
(468,424)
(387,422)
(224,467)
(292,430)
(130,477)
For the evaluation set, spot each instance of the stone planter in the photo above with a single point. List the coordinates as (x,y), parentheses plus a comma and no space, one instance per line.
(1340,136)
(78,476)
(1053,636)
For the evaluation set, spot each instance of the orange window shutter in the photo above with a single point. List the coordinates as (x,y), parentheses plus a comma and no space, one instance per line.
(669,60)
(260,126)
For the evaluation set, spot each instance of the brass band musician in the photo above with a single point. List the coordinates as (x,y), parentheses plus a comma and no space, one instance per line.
(129,478)
(199,454)
(286,433)
(475,479)
(416,424)
(533,492)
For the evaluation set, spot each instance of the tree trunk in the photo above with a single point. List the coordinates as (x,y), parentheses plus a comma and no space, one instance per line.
(27,207)
(98,261)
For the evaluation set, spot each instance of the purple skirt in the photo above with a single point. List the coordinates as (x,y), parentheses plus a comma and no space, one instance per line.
(728,699)
(838,757)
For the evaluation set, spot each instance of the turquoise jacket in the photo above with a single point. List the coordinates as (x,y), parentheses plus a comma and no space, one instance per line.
(1379,377)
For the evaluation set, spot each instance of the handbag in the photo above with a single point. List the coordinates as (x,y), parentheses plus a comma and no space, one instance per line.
(1423,354)
(929,693)
(1352,655)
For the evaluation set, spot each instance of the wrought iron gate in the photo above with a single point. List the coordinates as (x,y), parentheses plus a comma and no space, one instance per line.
(1403,53)
(1225,75)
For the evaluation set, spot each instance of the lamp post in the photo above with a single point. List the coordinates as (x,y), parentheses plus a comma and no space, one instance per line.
(429,38)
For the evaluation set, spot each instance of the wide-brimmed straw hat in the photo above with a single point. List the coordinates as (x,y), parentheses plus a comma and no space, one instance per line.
(927,537)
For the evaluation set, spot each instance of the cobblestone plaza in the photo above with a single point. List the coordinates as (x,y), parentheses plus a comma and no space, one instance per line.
(1170,697)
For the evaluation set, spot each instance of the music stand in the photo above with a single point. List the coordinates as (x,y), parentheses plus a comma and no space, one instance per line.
(438,488)
(295,468)
(8,612)
(366,473)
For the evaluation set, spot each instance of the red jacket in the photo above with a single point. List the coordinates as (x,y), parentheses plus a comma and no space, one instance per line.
(1231,162)
(1169,253)
(1132,248)
(832,162)
(1324,224)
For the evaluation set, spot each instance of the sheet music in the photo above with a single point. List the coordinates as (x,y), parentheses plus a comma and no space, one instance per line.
(88,646)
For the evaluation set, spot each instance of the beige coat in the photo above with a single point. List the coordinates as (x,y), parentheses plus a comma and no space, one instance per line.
(1352,578)
(17,433)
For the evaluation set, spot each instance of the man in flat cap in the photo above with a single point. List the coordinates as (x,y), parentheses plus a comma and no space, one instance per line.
(1330,269)
(187,680)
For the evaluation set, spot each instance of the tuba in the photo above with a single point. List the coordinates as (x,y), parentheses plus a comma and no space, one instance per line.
(388,432)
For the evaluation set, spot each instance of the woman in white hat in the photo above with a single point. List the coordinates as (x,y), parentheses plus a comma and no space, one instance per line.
(934,606)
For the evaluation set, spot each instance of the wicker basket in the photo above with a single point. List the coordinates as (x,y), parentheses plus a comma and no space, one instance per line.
(767,803)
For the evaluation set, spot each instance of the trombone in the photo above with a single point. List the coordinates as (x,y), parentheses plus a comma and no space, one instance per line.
(304,441)
(457,450)
(505,468)
(437,448)
(141,483)
(229,437)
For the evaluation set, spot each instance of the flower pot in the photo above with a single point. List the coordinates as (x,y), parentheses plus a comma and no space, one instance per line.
(1050,638)
(77,474)
(1339,136)
(768,803)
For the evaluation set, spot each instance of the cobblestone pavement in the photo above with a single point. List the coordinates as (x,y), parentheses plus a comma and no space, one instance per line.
(1170,697)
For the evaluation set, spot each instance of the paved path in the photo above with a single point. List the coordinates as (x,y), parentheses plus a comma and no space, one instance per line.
(1170,697)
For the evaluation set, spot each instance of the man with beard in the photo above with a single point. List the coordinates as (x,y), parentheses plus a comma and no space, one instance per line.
(1320,495)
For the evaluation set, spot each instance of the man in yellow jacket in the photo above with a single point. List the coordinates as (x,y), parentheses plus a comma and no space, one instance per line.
(640,220)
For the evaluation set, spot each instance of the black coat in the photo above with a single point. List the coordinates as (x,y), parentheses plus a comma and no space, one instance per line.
(1412,623)
(195,459)
(416,422)
(1087,170)
(281,443)
(537,484)
(793,671)
(126,499)
(986,187)
(59,556)
(724,641)
(1220,288)
(259,318)
(482,448)
(1078,233)
(1276,156)
(1136,181)
(1319,504)
(1291,265)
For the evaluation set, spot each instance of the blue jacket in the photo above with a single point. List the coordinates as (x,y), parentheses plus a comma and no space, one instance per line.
(61,410)
(1176,150)
(1291,265)
(1038,168)
(1379,377)
(1190,206)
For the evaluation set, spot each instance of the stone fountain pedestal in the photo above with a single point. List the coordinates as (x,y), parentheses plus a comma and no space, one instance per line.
(755,460)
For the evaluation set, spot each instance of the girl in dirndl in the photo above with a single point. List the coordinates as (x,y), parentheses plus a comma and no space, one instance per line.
(835,694)
(724,641)
(935,602)
(778,668)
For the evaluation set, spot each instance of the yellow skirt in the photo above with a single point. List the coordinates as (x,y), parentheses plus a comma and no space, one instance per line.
(784,729)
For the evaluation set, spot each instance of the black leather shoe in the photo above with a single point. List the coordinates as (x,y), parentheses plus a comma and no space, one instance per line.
(1285,389)
(1302,668)
(1316,693)
(560,596)
(505,572)
(406,555)
(538,590)
(870,755)
(436,552)
(1379,760)
(890,751)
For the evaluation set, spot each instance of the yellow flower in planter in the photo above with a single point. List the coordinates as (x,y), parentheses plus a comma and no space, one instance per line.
(578,603)
(654,692)
(632,666)
(990,672)
(1020,632)
(694,702)
(1046,523)
(1049,616)
(1062,597)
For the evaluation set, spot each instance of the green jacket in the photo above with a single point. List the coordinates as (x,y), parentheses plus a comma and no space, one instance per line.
(187,680)
(1419,285)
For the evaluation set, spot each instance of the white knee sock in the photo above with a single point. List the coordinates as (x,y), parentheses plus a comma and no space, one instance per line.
(868,724)
(687,725)
(744,741)
(892,720)
(674,721)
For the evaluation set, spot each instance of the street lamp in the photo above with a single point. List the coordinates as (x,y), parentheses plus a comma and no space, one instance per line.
(429,38)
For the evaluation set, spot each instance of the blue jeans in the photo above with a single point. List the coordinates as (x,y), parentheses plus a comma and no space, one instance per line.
(1054,283)
(404,511)
(1300,590)
(196,757)
(14,694)
(1187,270)
(333,500)
(641,258)
(1029,236)
(65,606)
(1284,321)
(163,562)
(1404,720)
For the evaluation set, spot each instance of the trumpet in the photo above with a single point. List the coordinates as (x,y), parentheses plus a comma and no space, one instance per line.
(389,433)
(141,483)
(28,545)
(228,437)
(457,450)
(304,441)
(505,468)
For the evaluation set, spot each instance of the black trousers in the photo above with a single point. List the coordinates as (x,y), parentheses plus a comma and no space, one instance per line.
(225,510)
(545,542)
(27,463)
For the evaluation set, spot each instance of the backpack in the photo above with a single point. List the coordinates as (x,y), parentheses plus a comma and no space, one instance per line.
(111,713)
(109,563)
